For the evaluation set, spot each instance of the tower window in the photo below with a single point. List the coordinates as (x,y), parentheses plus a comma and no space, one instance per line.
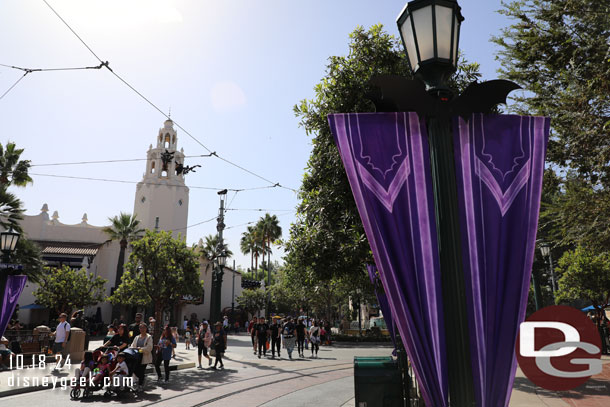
(152,168)
(143,199)
(156,223)
(164,173)
(180,202)
(167,139)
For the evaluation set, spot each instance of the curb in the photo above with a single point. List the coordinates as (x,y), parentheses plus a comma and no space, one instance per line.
(31,389)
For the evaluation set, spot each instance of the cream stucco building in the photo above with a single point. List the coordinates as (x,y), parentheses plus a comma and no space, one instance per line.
(161,203)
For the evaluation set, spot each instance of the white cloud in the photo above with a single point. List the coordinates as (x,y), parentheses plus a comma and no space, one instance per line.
(227,95)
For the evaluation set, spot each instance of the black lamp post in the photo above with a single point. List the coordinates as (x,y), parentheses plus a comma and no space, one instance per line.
(545,250)
(430,33)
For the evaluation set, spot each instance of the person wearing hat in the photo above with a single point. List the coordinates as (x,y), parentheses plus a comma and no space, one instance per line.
(288,331)
(62,335)
(204,340)
(219,339)
(120,371)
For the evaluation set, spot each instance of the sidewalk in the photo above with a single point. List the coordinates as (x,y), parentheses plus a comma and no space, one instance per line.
(33,379)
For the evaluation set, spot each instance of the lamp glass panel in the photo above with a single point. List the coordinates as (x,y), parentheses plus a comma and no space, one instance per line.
(424,31)
(409,39)
(222,260)
(456,33)
(4,241)
(444,16)
(545,250)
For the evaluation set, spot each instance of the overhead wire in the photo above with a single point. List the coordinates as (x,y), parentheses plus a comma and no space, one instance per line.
(13,85)
(110,161)
(161,111)
(148,183)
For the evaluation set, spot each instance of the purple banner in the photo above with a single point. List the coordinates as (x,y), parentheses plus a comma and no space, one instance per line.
(384,304)
(13,288)
(387,161)
(499,167)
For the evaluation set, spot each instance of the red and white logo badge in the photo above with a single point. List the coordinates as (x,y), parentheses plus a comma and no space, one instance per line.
(559,348)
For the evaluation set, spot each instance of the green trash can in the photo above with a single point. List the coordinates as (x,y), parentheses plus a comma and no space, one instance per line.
(377,382)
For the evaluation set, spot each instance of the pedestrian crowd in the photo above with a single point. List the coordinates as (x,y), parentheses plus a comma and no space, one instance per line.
(287,333)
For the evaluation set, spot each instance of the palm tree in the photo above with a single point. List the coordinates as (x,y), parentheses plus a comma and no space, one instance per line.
(13,171)
(270,230)
(10,211)
(124,228)
(209,248)
(251,244)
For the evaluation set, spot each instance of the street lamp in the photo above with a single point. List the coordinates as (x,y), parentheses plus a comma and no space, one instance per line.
(545,250)
(222,259)
(430,32)
(8,243)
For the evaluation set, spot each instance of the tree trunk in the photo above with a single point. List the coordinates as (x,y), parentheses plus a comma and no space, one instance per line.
(119,266)
(158,321)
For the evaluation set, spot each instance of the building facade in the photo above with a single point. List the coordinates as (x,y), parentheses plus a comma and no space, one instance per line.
(161,203)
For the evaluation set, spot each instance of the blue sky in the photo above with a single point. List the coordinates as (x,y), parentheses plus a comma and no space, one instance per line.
(230,71)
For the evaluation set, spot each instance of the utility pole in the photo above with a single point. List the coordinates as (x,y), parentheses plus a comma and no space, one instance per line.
(233,296)
(215,303)
(268,279)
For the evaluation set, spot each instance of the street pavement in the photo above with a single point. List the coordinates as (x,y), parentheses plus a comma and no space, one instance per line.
(249,381)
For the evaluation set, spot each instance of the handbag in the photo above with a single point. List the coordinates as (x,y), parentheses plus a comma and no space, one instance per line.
(212,352)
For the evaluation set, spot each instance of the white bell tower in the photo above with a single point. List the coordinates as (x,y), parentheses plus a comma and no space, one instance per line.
(162,198)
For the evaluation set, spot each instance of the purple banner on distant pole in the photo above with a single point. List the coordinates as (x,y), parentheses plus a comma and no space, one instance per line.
(384,304)
(499,168)
(13,288)
(387,160)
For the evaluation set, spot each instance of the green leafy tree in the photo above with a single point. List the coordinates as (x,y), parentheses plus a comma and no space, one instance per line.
(252,301)
(161,271)
(557,50)
(585,275)
(11,211)
(328,240)
(28,255)
(125,228)
(63,289)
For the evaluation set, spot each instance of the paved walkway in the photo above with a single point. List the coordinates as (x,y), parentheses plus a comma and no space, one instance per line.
(249,381)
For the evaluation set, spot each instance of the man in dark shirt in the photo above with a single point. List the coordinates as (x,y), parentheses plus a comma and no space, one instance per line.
(276,339)
(300,337)
(134,329)
(262,332)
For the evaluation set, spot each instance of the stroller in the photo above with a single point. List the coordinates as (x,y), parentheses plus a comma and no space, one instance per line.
(95,365)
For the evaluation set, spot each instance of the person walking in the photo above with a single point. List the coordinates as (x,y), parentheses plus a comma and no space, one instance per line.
(276,339)
(187,338)
(288,336)
(219,343)
(262,333)
(252,329)
(143,343)
(164,354)
(301,329)
(62,335)
(204,340)
(314,339)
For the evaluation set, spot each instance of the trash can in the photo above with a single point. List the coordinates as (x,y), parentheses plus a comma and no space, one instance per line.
(377,382)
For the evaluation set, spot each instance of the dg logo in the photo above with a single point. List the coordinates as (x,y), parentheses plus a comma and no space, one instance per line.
(559,348)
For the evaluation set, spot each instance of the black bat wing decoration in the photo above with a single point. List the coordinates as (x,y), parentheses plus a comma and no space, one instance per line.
(393,93)
(481,97)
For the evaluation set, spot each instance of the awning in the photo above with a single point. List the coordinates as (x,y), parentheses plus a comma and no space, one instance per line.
(69,248)
(32,306)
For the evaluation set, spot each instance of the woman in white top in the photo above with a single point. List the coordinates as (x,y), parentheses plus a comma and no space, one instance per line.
(314,338)
(144,344)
